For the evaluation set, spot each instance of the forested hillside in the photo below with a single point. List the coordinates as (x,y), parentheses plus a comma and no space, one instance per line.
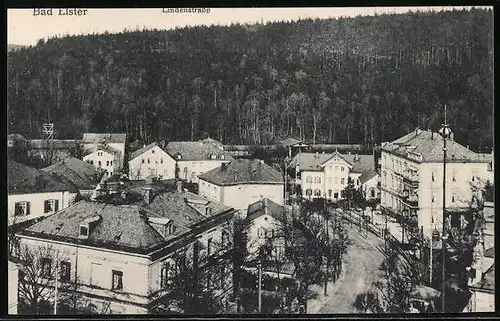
(350,80)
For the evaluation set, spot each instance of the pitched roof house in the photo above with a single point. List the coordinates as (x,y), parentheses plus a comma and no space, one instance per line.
(75,172)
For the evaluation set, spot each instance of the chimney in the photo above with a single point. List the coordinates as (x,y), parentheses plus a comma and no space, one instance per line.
(417,131)
(147,195)
(178,184)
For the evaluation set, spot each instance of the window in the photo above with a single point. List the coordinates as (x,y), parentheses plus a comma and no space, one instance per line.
(453,198)
(110,173)
(50,206)
(161,160)
(153,151)
(308,179)
(92,162)
(336,195)
(142,160)
(209,246)
(117,280)
(453,176)
(22,208)
(341,168)
(317,179)
(308,192)
(111,163)
(357,182)
(342,180)
(330,193)
(84,230)
(107,163)
(99,163)
(65,273)
(164,275)
(46,267)
(433,197)
(317,192)
(433,176)
(372,192)
(473,178)
(148,161)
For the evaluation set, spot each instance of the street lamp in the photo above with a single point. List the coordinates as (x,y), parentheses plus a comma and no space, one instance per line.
(445,132)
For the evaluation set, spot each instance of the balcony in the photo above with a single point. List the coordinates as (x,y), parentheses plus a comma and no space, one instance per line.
(411,201)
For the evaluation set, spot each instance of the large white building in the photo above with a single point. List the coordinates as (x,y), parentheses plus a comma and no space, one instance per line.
(33,194)
(326,175)
(105,151)
(241,183)
(412,180)
(195,158)
(126,257)
(151,161)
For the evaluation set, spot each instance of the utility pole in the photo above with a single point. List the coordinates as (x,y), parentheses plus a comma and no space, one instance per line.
(260,285)
(445,132)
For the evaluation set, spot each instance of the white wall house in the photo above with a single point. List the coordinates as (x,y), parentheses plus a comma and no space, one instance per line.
(195,158)
(412,178)
(124,260)
(33,194)
(370,185)
(103,159)
(241,183)
(326,175)
(116,142)
(151,161)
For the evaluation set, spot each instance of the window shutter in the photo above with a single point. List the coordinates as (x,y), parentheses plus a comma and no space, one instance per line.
(56,205)
(46,206)
(28,208)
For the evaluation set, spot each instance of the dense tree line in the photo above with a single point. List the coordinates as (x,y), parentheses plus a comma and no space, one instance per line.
(349,80)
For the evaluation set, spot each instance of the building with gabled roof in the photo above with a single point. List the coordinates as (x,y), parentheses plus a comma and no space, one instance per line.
(75,172)
(105,159)
(111,143)
(34,194)
(126,255)
(195,158)
(369,181)
(151,161)
(412,181)
(241,183)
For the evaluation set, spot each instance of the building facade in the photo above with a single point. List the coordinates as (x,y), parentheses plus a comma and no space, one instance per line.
(34,194)
(12,277)
(241,183)
(151,162)
(104,159)
(412,179)
(195,158)
(126,257)
(116,143)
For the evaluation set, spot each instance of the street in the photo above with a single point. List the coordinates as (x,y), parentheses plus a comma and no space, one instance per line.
(361,264)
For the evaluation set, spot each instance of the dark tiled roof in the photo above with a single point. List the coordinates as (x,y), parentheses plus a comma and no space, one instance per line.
(74,171)
(57,143)
(243,171)
(209,140)
(22,179)
(360,163)
(95,138)
(309,161)
(266,206)
(130,226)
(366,176)
(18,137)
(430,146)
(141,151)
(195,151)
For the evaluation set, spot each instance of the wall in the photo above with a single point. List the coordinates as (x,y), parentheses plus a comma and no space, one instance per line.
(262,222)
(482,302)
(37,204)
(197,167)
(316,183)
(105,159)
(240,196)
(95,269)
(13,288)
(209,190)
(368,186)
(156,163)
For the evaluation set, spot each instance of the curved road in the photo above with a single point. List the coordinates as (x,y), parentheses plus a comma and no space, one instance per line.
(361,264)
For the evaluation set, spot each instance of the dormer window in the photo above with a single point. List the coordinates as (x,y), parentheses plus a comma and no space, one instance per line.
(153,151)
(179,156)
(213,156)
(84,230)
